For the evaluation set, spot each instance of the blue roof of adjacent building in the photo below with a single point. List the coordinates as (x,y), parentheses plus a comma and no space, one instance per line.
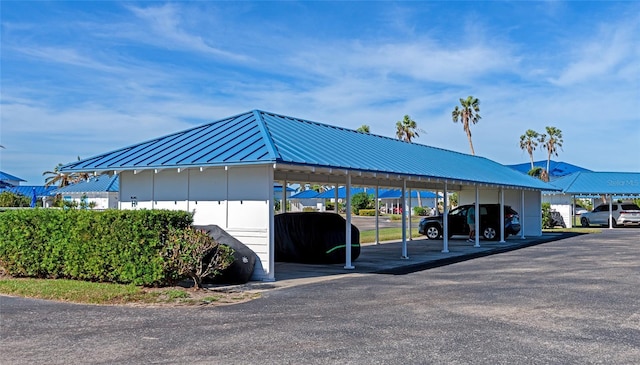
(556,168)
(27,190)
(589,183)
(278,188)
(397,194)
(259,137)
(8,177)
(101,183)
(305,194)
(382,193)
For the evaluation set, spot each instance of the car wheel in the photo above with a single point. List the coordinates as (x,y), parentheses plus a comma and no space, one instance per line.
(584,222)
(490,233)
(614,223)
(433,232)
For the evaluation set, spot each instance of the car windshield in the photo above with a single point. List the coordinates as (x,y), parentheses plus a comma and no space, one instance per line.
(459,211)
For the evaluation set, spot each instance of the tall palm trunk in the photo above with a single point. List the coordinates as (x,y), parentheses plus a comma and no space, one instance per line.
(531,157)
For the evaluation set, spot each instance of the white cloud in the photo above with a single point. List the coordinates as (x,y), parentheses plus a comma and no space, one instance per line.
(614,49)
(165,23)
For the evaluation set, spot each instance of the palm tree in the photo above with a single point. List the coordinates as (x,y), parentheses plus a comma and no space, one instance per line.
(529,141)
(56,177)
(552,144)
(364,129)
(407,129)
(468,113)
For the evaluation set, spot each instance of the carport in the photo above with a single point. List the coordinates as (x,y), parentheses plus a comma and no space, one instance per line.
(224,172)
(590,184)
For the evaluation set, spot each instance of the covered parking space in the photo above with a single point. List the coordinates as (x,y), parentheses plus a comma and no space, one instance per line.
(224,172)
(597,186)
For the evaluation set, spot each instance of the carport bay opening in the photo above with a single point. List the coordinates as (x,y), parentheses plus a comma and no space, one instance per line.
(240,199)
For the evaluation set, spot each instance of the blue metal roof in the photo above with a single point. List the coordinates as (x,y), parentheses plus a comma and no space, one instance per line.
(27,190)
(589,183)
(305,194)
(102,183)
(8,177)
(259,137)
(397,194)
(278,188)
(556,168)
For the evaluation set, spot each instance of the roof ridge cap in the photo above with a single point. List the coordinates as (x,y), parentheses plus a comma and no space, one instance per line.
(266,134)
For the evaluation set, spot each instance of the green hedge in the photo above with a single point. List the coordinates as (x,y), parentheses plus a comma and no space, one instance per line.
(123,246)
(367,212)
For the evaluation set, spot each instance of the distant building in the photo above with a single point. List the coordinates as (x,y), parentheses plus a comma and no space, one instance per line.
(100,192)
(9,180)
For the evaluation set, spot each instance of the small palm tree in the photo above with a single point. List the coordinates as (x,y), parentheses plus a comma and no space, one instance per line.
(407,129)
(56,177)
(529,141)
(364,129)
(468,113)
(551,144)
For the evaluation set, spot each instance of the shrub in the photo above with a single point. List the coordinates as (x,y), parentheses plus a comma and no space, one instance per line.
(193,253)
(546,216)
(419,211)
(309,209)
(361,201)
(123,246)
(368,212)
(9,199)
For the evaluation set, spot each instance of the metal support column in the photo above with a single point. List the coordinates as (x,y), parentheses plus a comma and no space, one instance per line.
(502,215)
(404,221)
(445,221)
(377,215)
(476,219)
(347,248)
(522,219)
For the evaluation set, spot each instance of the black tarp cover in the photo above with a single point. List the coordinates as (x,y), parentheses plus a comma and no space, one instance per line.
(313,238)
(240,271)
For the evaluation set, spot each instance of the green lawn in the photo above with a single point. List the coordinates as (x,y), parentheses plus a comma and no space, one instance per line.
(77,291)
(386,234)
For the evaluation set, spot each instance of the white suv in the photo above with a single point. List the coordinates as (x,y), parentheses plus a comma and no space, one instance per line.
(623,214)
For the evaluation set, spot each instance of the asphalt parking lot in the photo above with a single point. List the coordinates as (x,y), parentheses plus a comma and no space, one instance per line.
(570,301)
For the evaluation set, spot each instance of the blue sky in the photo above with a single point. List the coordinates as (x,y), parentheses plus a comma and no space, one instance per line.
(84,77)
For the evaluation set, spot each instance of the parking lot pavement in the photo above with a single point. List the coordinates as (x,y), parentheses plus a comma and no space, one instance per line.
(569,301)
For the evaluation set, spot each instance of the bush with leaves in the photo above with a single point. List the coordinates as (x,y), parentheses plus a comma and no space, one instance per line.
(546,216)
(193,253)
(9,199)
(123,246)
(421,211)
(361,201)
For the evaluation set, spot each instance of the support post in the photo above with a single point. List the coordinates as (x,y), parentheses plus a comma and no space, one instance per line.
(476,219)
(408,205)
(404,221)
(347,248)
(502,215)
(522,214)
(610,212)
(445,220)
(284,197)
(377,215)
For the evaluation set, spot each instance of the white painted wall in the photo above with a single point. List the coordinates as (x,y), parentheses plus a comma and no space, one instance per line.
(238,199)
(530,214)
(102,200)
(562,204)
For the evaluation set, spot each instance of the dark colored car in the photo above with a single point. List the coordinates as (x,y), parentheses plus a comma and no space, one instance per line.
(489,222)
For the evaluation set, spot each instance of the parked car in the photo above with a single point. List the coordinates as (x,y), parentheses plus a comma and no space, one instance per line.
(579,209)
(622,214)
(489,222)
